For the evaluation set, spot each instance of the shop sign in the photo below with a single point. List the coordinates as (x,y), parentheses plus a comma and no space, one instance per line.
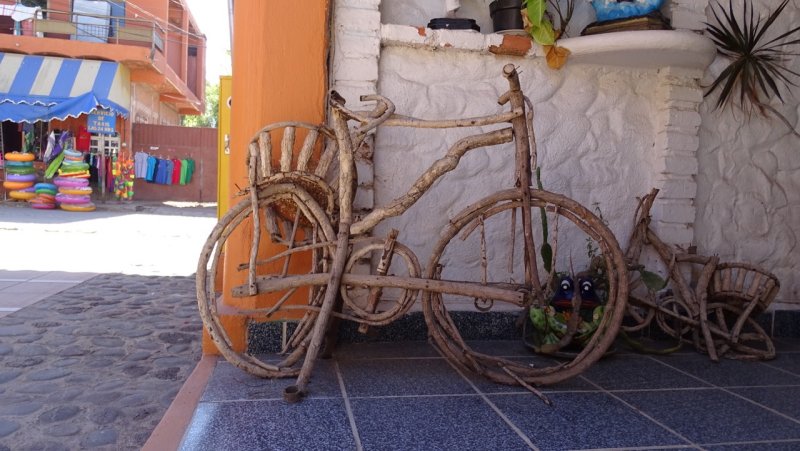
(102,121)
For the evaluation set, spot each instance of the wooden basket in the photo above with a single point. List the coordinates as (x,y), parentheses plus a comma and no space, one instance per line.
(741,284)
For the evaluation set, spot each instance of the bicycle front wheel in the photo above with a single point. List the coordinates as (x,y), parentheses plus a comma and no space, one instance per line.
(484,245)
(306,236)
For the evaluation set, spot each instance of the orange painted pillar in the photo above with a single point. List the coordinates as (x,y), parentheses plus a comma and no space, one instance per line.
(279,73)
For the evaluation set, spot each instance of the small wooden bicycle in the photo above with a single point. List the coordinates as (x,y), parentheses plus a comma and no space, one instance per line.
(714,312)
(303,202)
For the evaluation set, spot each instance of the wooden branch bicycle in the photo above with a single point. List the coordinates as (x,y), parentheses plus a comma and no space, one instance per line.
(303,201)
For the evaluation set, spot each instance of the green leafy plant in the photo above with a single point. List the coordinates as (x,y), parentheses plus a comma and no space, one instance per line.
(758,69)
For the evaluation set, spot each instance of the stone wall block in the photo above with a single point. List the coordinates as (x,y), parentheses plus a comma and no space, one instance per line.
(677,188)
(364,69)
(365,198)
(681,235)
(672,142)
(352,92)
(682,212)
(358,21)
(366,172)
(678,120)
(683,93)
(677,165)
(351,45)
(362,4)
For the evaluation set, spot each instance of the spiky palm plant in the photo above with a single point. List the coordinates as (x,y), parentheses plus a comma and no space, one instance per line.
(758,69)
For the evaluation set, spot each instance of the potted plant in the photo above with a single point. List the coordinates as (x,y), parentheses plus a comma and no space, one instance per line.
(757,69)
(506,16)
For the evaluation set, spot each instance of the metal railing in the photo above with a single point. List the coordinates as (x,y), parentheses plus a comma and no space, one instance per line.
(99,28)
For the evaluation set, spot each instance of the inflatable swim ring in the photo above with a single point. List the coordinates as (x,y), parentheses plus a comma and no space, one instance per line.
(73,198)
(70,182)
(75,190)
(78,207)
(45,197)
(9,185)
(20,169)
(21,195)
(19,156)
(43,206)
(19,164)
(45,185)
(21,177)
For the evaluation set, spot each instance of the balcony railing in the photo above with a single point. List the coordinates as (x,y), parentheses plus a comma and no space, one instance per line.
(96,28)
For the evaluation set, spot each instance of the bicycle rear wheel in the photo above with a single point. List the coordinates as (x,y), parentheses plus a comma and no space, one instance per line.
(476,248)
(308,235)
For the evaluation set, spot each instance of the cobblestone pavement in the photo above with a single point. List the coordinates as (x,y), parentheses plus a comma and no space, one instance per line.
(96,366)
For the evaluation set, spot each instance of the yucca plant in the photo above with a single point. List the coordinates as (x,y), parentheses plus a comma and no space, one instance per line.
(758,70)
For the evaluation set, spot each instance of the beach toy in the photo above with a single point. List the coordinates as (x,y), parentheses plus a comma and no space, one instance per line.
(70,182)
(20,169)
(19,156)
(53,166)
(75,190)
(45,185)
(21,195)
(39,206)
(46,197)
(18,164)
(72,198)
(21,177)
(79,174)
(9,185)
(78,207)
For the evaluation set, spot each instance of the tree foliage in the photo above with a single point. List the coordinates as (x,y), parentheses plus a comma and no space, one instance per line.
(211,116)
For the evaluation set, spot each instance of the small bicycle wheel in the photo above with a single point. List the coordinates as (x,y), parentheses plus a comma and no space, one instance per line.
(749,342)
(308,236)
(402,263)
(483,247)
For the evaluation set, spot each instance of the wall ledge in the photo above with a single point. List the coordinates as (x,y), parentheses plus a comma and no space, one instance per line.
(650,49)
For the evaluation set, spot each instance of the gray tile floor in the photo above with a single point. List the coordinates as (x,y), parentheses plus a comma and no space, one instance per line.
(403,396)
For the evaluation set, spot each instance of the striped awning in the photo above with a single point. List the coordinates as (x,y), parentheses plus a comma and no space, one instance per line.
(40,88)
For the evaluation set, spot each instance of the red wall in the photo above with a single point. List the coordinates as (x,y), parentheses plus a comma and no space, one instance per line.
(164,141)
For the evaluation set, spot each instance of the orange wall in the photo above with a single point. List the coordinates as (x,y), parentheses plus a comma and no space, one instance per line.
(279,73)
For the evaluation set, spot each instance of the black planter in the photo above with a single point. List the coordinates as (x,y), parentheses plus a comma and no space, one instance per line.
(506,15)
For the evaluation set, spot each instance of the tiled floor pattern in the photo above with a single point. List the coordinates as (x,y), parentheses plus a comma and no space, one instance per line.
(403,396)
(19,289)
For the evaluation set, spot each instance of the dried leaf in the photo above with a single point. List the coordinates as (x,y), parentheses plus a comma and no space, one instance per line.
(556,56)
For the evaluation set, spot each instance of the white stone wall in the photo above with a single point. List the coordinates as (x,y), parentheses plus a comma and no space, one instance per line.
(606,135)
(595,131)
(748,186)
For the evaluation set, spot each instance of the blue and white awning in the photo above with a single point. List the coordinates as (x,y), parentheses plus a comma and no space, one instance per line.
(40,88)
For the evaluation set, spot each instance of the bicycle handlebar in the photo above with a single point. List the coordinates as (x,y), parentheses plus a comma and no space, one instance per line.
(383,112)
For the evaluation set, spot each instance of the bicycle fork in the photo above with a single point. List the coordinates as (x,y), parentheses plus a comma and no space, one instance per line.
(294,393)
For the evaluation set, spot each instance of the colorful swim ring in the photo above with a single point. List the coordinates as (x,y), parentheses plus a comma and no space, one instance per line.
(43,206)
(70,182)
(75,190)
(45,185)
(9,185)
(21,177)
(19,164)
(47,192)
(20,169)
(45,197)
(19,156)
(78,207)
(73,153)
(73,198)
(21,195)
